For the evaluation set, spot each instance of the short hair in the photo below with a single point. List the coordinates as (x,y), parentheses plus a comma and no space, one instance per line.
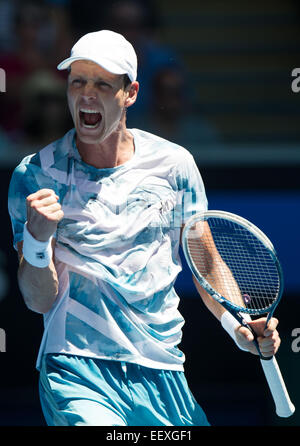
(126,81)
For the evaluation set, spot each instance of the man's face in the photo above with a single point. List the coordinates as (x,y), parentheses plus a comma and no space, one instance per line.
(96,100)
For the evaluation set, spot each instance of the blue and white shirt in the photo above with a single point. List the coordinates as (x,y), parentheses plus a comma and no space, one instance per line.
(116,250)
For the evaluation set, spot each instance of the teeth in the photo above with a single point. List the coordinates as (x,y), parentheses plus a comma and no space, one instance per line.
(90,126)
(85,110)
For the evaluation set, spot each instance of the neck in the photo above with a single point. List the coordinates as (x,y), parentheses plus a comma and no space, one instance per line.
(114,151)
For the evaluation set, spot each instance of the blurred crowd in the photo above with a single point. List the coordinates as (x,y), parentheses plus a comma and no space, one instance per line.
(36,35)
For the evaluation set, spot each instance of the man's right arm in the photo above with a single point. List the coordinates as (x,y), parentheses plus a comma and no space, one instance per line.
(39,286)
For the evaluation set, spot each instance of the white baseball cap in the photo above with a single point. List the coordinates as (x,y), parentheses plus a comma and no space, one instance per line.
(106,48)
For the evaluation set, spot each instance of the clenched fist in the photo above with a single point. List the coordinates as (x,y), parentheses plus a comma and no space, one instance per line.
(43,214)
(268,338)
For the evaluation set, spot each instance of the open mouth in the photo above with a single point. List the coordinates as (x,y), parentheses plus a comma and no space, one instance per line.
(89,118)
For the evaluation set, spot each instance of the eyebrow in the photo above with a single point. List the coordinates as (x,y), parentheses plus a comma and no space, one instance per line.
(96,79)
(83,76)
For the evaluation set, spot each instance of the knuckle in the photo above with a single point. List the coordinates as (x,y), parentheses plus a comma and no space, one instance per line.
(29,201)
(47,191)
(34,205)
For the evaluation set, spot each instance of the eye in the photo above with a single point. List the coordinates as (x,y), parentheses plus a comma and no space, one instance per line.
(76,82)
(103,85)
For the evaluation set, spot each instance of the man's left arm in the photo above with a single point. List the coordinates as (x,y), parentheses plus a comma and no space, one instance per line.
(267,337)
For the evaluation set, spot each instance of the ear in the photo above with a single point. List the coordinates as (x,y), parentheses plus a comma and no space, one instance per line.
(131,93)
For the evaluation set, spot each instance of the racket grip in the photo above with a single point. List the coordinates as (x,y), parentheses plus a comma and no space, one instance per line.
(284,406)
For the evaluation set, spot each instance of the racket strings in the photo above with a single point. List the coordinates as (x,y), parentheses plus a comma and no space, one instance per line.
(242,269)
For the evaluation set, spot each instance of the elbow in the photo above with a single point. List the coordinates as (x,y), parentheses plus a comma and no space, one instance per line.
(42,305)
(38,307)
(39,301)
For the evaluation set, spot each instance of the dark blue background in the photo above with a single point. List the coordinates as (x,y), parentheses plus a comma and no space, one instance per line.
(277,214)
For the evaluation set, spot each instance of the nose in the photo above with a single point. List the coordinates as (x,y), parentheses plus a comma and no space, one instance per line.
(89,91)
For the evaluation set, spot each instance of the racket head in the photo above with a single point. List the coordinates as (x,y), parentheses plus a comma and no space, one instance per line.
(245,250)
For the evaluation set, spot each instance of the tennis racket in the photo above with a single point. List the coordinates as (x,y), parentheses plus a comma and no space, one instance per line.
(236,264)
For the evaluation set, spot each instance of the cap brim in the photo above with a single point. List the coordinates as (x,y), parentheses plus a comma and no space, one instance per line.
(107,65)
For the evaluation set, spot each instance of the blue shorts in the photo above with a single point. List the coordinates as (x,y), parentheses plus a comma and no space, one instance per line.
(75,391)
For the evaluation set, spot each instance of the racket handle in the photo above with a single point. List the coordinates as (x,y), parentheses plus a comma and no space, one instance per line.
(284,406)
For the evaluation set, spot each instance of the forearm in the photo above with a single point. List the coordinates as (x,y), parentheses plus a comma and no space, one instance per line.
(214,307)
(39,286)
(220,278)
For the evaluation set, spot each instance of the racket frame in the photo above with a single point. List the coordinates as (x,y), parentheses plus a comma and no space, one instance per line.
(234,309)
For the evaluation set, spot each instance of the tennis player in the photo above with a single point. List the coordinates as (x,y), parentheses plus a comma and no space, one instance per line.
(97,218)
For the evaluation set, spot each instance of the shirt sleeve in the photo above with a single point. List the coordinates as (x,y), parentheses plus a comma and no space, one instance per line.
(191,189)
(26,179)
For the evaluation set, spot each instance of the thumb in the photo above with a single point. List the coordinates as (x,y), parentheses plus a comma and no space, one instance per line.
(245,333)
